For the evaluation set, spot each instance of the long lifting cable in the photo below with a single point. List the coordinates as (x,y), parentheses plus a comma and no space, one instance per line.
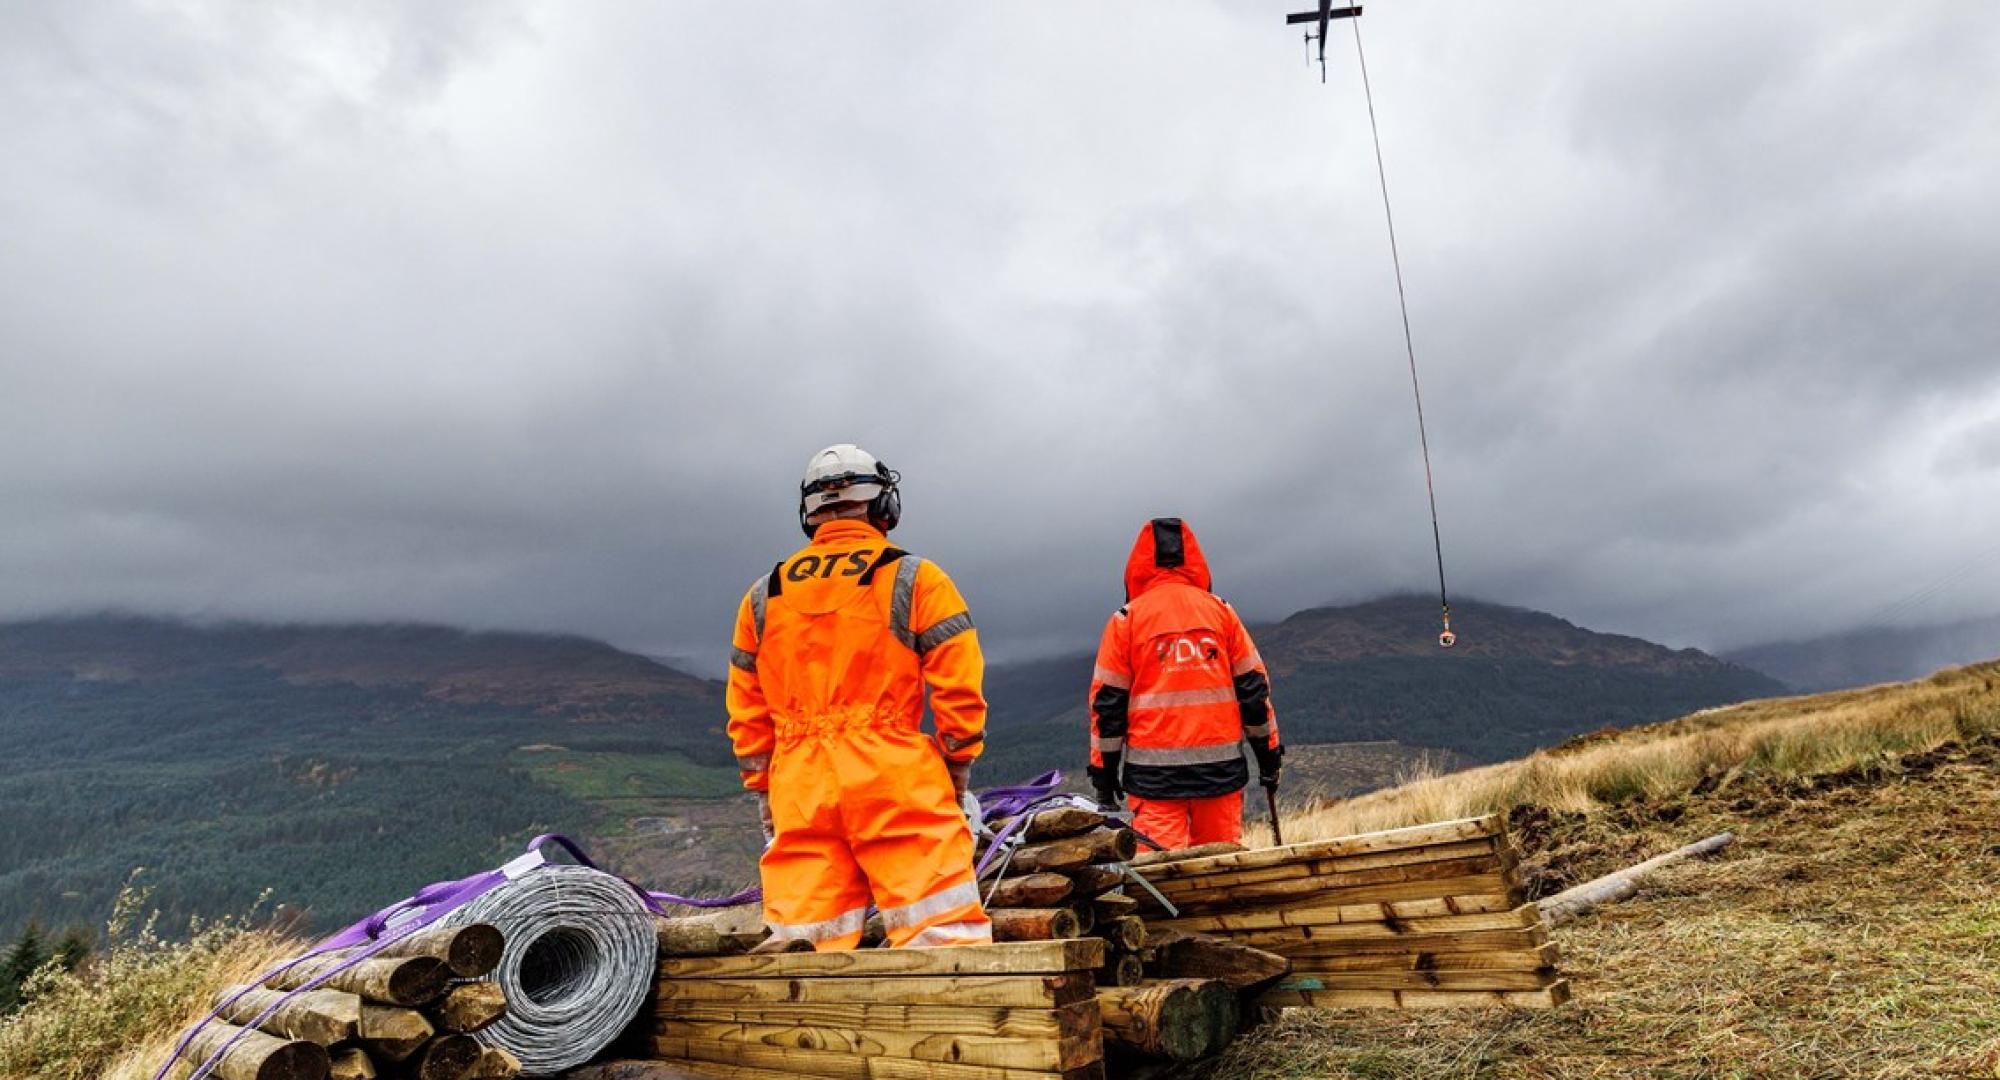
(1445,638)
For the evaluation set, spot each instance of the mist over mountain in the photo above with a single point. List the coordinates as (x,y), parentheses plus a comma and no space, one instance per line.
(1876,655)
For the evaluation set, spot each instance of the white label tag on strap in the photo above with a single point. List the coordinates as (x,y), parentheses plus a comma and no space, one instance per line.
(522,865)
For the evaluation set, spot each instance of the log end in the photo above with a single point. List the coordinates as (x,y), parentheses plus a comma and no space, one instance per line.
(419,980)
(297,1060)
(476,950)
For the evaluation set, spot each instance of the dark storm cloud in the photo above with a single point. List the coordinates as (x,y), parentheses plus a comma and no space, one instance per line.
(529,315)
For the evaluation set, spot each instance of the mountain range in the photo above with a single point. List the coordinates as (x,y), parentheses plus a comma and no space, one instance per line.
(344,766)
(1874,655)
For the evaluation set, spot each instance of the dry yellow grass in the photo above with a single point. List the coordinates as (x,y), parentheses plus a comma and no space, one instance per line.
(120,1015)
(1780,737)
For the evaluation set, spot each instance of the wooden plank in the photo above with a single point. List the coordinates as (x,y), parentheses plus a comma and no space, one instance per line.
(1006,958)
(834,1065)
(1435,870)
(1416,980)
(1443,832)
(1042,1055)
(1541,956)
(1199,851)
(1071,1021)
(1296,893)
(1030,991)
(1371,920)
(1466,849)
(1304,943)
(1549,997)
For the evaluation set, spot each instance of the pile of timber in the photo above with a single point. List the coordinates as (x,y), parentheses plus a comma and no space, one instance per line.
(1432,916)
(409,1011)
(1065,880)
(1012,1011)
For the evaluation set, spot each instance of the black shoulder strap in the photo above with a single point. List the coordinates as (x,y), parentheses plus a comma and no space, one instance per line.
(777,583)
(888,557)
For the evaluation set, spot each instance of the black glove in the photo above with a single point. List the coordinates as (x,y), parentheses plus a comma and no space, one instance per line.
(1105,780)
(1270,760)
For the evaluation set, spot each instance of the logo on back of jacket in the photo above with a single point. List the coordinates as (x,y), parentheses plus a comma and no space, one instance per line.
(1182,652)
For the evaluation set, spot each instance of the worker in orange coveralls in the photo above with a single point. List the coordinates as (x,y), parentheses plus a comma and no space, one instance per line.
(833,652)
(1177,692)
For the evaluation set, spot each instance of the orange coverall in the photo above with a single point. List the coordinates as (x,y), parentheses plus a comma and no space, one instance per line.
(1177,692)
(832,655)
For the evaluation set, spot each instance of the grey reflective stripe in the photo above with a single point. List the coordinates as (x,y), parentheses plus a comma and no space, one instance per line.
(944,631)
(930,907)
(1184,755)
(1247,664)
(1111,678)
(955,745)
(756,764)
(1259,731)
(1107,746)
(745,661)
(1169,699)
(850,922)
(958,933)
(902,599)
(757,592)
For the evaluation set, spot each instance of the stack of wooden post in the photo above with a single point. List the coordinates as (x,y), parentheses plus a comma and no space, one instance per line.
(1063,882)
(974,1012)
(409,1011)
(1423,917)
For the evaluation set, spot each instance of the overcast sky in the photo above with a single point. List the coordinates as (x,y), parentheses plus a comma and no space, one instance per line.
(529,315)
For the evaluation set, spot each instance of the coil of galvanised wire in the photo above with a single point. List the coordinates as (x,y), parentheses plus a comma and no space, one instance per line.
(580,957)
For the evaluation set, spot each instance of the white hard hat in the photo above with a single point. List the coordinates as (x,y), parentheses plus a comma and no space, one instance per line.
(843,474)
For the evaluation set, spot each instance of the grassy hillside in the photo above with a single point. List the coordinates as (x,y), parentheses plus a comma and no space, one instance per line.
(1853,931)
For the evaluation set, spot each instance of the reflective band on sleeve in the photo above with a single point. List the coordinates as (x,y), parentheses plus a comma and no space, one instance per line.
(1111,678)
(944,631)
(743,660)
(942,902)
(850,922)
(1171,699)
(760,763)
(955,745)
(757,592)
(1184,755)
(1107,746)
(1257,731)
(902,599)
(958,933)
(1247,664)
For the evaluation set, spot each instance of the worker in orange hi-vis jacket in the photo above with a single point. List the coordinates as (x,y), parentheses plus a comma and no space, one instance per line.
(833,653)
(1177,692)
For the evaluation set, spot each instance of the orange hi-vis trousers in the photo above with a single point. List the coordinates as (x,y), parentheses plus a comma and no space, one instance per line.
(1180,823)
(865,812)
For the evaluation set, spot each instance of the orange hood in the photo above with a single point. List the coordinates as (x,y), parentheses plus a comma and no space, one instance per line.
(1165,551)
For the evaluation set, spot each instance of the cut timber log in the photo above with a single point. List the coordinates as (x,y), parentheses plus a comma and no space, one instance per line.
(352,1063)
(1061,822)
(322,1016)
(1611,888)
(447,1057)
(1076,852)
(1390,840)
(1090,881)
(1034,924)
(1125,969)
(256,1056)
(1086,917)
(390,1034)
(1181,955)
(496,1064)
(1031,891)
(1199,851)
(1018,958)
(1180,1020)
(1548,998)
(1126,933)
(1024,991)
(470,951)
(1114,906)
(416,980)
(470,1007)
(722,933)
